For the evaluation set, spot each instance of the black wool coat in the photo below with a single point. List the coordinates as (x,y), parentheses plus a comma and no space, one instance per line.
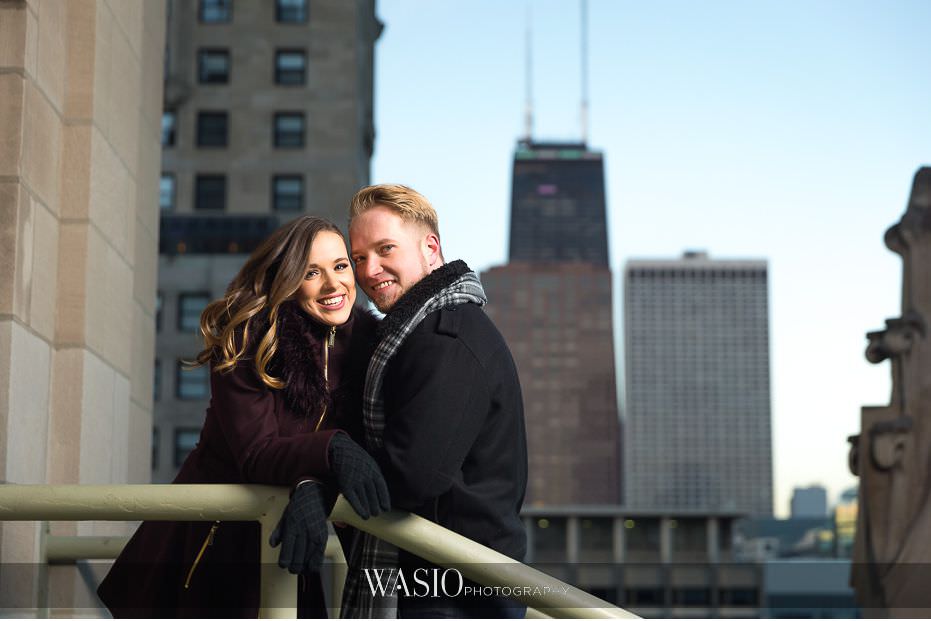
(455,449)
(252,434)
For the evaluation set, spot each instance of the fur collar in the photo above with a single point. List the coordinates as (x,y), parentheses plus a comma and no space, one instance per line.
(299,359)
(416,297)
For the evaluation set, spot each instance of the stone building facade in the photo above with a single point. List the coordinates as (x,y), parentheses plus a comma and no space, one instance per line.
(80,112)
(890,455)
(268,115)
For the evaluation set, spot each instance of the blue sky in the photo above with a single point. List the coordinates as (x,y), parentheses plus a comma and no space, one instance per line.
(787,131)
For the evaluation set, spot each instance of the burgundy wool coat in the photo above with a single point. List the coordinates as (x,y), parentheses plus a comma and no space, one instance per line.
(252,434)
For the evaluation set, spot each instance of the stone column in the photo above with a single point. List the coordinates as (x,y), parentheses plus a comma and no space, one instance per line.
(713,545)
(572,539)
(665,540)
(80,116)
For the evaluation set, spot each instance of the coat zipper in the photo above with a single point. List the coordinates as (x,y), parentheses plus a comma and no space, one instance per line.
(330,341)
(207,542)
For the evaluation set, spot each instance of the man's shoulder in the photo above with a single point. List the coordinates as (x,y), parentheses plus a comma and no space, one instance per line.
(466,325)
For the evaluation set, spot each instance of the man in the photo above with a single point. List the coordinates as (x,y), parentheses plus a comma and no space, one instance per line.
(443,408)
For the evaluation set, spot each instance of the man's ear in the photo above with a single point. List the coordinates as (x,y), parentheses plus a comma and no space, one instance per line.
(430,246)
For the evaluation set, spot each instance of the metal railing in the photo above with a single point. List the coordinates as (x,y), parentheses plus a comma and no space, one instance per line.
(264,504)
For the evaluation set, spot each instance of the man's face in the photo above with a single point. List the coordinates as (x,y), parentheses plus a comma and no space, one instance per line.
(391,255)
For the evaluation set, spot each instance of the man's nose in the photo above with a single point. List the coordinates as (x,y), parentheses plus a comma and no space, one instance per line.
(371,268)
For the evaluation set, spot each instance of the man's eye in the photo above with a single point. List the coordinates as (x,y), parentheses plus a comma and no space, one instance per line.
(358,260)
(387,248)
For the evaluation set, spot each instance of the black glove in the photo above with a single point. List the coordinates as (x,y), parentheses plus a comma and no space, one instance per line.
(358,477)
(302,530)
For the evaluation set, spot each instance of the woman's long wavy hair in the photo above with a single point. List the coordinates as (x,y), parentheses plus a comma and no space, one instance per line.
(271,275)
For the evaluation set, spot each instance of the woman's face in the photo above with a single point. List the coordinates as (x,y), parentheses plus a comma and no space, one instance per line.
(328,290)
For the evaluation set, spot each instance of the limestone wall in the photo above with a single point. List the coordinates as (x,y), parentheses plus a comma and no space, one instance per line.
(80,114)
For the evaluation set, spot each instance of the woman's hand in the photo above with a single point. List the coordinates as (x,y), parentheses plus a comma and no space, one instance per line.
(302,530)
(358,477)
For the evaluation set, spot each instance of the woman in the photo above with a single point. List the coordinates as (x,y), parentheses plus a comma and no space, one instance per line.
(288,355)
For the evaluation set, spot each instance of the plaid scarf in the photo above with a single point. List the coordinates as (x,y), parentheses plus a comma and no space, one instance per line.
(450,285)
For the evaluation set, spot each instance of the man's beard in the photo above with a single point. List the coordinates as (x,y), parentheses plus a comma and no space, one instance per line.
(386,306)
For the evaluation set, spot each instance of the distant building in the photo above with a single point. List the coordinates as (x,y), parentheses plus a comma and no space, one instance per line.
(686,564)
(805,570)
(845,522)
(697,428)
(809,502)
(552,303)
(654,564)
(268,115)
(808,588)
(558,207)
(557,322)
(761,539)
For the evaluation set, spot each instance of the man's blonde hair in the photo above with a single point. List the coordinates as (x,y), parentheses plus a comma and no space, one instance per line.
(409,204)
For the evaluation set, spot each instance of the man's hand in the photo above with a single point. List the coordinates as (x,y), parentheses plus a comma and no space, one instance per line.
(358,477)
(302,530)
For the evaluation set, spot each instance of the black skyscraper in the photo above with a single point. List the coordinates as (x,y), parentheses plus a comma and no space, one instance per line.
(552,303)
(558,204)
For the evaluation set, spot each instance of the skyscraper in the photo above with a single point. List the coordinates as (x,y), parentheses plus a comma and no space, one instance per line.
(558,204)
(268,115)
(552,303)
(697,429)
(809,502)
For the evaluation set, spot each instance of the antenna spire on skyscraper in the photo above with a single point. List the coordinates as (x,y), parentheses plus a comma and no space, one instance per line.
(584,59)
(528,104)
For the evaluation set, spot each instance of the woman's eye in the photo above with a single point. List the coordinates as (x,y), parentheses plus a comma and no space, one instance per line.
(341,267)
(310,274)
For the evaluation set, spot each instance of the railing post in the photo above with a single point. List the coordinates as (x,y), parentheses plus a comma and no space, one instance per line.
(278,588)
(42,607)
(340,569)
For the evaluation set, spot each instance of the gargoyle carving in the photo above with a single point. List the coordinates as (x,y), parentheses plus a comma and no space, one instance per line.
(896,339)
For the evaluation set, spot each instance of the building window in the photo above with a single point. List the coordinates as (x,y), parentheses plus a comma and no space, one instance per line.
(191,383)
(288,193)
(213,66)
(210,192)
(215,11)
(154,448)
(157,380)
(212,129)
(289,130)
(185,440)
(291,11)
(166,191)
(169,122)
(290,67)
(190,306)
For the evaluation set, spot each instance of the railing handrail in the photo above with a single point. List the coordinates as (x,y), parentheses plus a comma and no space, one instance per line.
(194,502)
(262,503)
(481,564)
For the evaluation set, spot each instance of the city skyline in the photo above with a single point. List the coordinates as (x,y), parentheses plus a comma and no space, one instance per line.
(717,136)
